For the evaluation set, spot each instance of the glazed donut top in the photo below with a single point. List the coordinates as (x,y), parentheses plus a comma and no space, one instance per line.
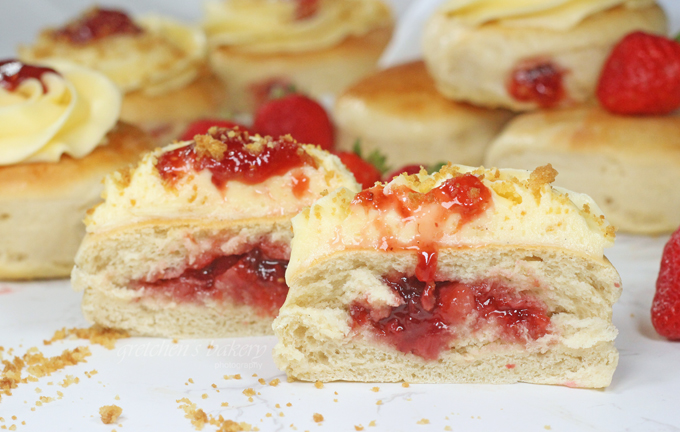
(223,175)
(151,54)
(545,14)
(52,109)
(291,26)
(457,207)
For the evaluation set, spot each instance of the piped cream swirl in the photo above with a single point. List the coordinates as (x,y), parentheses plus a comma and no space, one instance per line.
(167,56)
(71,117)
(271,25)
(545,14)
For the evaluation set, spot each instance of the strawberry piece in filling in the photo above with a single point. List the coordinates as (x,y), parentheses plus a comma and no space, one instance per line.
(538,82)
(432,316)
(13,73)
(254,278)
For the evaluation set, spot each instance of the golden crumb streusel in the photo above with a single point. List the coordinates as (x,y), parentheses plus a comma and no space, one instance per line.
(110,413)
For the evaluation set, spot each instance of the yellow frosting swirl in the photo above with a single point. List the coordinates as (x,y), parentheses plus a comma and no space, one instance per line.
(544,14)
(167,56)
(79,107)
(271,25)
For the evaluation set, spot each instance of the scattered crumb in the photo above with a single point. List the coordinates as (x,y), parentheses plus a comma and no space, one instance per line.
(262,381)
(13,427)
(237,376)
(96,334)
(281,414)
(447,428)
(632,315)
(274,382)
(335,400)
(37,390)
(277,406)
(375,389)
(318,384)
(45,399)
(225,404)
(358,428)
(91,373)
(255,375)
(197,416)
(175,341)
(32,408)
(547,427)
(405,385)
(289,404)
(110,413)
(423,421)
(372,423)
(379,402)
(204,396)
(213,385)
(211,346)
(335,393)
(317,417)
(268,415)
(250,393)
(191,380)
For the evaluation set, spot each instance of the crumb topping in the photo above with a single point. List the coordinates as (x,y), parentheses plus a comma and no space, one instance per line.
(110,413)
(96,334)
(317,417)
(318,384)
(540,177)
(207,146)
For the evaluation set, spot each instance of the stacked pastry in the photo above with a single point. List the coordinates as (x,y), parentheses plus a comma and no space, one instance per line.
(195,241)
(548,57)
(467,275)
(60,136)
(159,64)
(318,47)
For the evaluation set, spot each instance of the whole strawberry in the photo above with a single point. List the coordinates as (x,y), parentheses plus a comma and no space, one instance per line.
(666,304)
(641,76)
(301,117)
(200,127)
(364,172)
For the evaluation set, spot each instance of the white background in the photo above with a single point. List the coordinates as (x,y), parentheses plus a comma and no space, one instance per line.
(149,377)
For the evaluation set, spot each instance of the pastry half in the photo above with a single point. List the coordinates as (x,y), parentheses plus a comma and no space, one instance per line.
(195,240)
(629,165)
(468,276)
(396,107)
(159,64)
(59,137)
(529,55)
(259,47)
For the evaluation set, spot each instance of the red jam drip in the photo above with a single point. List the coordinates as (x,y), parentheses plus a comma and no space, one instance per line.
(432,316)
(97,24)
(253,278)
(300,184)
(13,73)
(306,9)
(540,83)
(240,161)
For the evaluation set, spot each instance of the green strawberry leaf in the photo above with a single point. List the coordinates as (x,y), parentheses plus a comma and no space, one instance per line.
(435,167)
(375,158)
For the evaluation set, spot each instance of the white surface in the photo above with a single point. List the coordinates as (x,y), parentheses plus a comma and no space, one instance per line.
(149,375)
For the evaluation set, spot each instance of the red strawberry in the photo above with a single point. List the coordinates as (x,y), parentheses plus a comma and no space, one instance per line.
(365,172)
(666,304)
(301,117)
(200,127)
(641,76)
(408,169)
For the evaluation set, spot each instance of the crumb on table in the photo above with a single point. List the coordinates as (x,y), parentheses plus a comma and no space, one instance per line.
(110,413)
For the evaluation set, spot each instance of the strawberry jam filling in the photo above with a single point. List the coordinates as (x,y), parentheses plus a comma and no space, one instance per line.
(433,315)
(13,73)
(305,9)
(541,83)
(254,278)
(231,154)
(96,24)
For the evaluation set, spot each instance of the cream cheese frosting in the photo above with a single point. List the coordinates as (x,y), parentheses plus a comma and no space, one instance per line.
(65,113)
(271,26)
(544,14)
(141,194)
(524,211)
(164,57)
